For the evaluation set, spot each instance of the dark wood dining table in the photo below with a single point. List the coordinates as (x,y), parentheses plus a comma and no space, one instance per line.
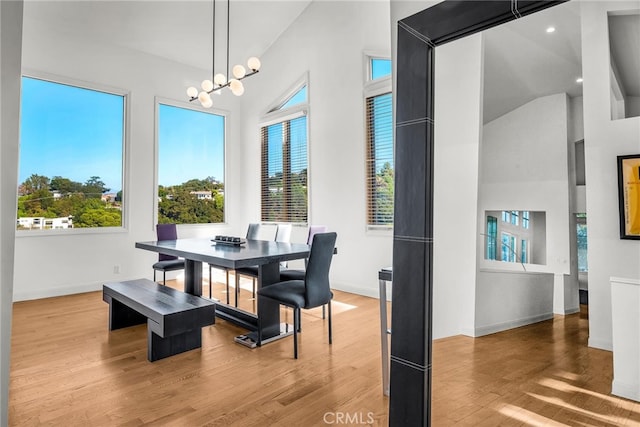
(267,255)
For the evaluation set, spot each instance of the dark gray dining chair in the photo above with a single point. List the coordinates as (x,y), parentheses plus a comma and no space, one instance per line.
(297,274)
(313,291)
(283,234)
(252,234)
(167,262)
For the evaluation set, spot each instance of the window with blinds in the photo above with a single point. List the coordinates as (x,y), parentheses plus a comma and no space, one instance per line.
(284,171)
(379,161)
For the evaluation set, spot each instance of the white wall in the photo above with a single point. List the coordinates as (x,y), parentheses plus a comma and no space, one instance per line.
(506,300)
(604,140)
(10,59)
(524,167)
(55,263)
(328,41)
(458,123)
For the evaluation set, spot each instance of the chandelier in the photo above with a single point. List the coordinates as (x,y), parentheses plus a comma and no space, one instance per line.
(219,81)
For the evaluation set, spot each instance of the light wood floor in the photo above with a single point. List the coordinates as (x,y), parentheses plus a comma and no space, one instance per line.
(68,370)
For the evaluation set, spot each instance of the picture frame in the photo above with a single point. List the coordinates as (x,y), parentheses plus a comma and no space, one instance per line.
(629,196)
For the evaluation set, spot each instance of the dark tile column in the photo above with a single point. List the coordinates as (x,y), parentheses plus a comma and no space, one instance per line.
(418,35)
(413,232)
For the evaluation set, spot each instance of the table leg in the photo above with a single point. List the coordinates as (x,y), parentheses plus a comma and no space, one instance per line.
(268,311)
(384,331)
(193,277)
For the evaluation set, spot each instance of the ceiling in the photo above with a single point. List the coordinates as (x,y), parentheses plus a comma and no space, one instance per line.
(177,30)
(522,61)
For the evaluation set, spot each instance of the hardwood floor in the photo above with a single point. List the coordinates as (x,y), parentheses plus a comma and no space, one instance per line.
(68,369)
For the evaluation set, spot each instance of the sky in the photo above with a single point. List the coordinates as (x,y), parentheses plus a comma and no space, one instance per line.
(70,132)
(190,145)
(77,133)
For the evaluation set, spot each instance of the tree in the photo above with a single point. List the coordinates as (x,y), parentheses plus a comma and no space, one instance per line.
(65,185)
(34,183)
(94,187)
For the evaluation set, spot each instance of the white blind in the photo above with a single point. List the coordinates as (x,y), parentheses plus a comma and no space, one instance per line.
(284,171)
(379,161)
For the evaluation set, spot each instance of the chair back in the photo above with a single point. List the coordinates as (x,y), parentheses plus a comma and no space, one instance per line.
(283,233)
(315,229)
(166,232)
(253,231)
(317,289)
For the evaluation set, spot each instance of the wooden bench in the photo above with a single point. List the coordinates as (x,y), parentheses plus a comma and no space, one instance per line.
(174,318)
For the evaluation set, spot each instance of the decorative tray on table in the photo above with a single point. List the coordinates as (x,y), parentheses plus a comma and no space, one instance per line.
(228,240)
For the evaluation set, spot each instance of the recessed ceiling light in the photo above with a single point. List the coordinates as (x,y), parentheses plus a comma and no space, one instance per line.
(551,30)
(579,80)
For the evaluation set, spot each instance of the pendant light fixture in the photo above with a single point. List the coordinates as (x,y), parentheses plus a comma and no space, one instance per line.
(220,81)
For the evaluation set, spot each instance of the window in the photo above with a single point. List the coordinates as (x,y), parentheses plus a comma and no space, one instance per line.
(523,252)
(379,144)
(525,220)
(506,216)
(514,217)
(71,157)
(284,164)
(300,97)
(492,237)
(509,247)
(581,219)
(190,165)
(380,68)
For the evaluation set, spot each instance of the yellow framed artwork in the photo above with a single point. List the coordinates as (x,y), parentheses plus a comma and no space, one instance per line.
(629,196)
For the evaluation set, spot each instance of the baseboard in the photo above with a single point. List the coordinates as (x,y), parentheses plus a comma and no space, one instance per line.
(58,291)
(511,324)
(359,290)
(626,390)
(572,311)
(601,344)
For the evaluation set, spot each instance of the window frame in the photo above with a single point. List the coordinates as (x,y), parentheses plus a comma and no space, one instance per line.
(126,132)
(275,115)
(373,88)
(156,155)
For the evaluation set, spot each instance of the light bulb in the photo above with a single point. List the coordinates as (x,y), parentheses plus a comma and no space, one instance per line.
(220,79)
(192,92)
(238,91)
(207,85)
(235,84)
(204,97)
(253,63)
(239,71)
(208,104)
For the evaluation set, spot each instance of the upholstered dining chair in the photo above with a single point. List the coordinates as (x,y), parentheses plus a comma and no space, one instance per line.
(252,234)
(313,291)
(167,262)
(283,234)
(296,274)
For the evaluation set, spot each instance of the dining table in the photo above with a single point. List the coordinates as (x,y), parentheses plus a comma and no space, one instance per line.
(267,255)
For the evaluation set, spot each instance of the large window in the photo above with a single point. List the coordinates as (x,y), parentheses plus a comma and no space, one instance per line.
(379,140)
(190,165)
(284,163)
(71,157)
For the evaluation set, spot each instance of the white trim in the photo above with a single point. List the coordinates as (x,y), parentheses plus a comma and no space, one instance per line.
(601,344)
(511,324)
(626,390)
(283,116)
